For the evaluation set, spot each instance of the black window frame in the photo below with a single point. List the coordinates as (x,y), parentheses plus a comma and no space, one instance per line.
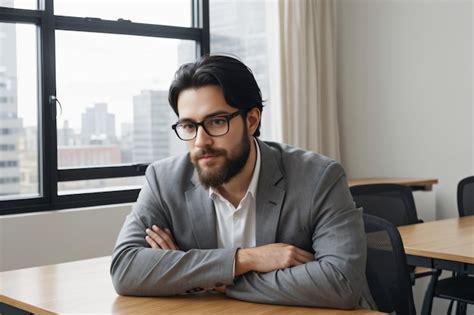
(48,171)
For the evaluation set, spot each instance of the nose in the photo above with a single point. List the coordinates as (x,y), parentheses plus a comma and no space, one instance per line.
(202,138)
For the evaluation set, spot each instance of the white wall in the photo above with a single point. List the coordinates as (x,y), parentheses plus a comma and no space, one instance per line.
(405,94)
(52,237)
(405,91)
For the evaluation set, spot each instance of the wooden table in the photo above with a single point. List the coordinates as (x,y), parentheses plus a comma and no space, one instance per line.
(425,184)
(85,287)
(443,245)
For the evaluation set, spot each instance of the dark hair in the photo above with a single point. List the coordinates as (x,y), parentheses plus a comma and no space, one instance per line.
(233,76)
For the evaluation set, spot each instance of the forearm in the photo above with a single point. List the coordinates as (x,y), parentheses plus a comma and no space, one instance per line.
(150,272)
(316,284)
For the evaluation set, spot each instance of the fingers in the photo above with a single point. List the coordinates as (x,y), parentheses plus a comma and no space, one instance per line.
(151,242)
(168,232)
(297,256)
(270,257)
(302,259)
(153,237)
(161,238)
(166,236)
(303,255)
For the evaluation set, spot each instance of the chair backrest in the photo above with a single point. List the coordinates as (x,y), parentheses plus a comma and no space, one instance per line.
(391,202)
(466,196)
(386,268)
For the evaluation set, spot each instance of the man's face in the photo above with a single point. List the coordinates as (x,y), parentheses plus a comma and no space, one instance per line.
(217,159)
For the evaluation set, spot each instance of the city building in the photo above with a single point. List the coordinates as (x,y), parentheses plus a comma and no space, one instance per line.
(67,136)
(239,28)
(126,142)
(88,155)
(98,125)
(152,118)
(28,153)
(10,123)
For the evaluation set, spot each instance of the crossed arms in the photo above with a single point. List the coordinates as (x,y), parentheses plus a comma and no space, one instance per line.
(264,258)
(275,273)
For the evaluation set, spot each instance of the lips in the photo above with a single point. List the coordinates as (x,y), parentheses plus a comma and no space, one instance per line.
(207,157)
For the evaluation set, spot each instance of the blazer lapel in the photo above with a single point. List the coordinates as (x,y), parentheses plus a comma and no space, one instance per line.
(270,196)
(203,217)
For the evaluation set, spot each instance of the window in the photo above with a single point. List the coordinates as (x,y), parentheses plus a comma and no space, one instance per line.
(165,12)
(22,4)
(18,111)
(83,96)
(245,29)
(114,95)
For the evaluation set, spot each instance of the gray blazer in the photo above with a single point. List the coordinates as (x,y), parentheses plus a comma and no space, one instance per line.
(302,199)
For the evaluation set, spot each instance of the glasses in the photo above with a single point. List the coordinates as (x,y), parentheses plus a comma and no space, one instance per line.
(214,126)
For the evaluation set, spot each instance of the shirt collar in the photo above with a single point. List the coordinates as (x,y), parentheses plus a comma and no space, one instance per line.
(252,189)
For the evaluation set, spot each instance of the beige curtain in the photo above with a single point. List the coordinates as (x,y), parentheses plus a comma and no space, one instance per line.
(308,75)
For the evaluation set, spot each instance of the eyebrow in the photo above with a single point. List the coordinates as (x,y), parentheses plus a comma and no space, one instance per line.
(217,113)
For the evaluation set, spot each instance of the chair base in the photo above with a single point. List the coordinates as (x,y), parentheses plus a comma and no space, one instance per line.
(458,288)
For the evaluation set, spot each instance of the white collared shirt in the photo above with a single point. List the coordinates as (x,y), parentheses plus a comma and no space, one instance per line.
(236,226)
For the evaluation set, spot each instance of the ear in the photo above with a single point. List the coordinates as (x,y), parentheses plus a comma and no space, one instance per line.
(253,120)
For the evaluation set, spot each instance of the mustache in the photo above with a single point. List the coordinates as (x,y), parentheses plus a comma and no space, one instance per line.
(208,151)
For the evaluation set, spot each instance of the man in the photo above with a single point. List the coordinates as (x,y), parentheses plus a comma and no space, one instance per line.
(258,221)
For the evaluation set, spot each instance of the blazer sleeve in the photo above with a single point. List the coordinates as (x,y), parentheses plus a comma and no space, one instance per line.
(139,270)
(336,277)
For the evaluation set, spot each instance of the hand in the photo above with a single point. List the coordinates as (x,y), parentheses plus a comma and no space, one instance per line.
(270,257)
(160,239)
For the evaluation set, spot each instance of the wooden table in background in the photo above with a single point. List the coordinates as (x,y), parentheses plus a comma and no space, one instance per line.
(85,287)
(443,245)
(425,184)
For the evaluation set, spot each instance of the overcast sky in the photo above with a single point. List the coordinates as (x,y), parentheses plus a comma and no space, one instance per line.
(94,68)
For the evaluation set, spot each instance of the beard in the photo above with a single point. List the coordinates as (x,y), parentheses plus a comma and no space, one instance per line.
(215,175)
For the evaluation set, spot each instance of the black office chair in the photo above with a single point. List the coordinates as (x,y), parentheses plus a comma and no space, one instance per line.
(459,287)
(466,196)
(392,202)
(386,269)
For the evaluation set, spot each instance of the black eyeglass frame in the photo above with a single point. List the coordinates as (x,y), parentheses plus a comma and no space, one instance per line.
(228,117)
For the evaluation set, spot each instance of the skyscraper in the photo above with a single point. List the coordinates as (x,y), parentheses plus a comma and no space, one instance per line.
(126,142)
(151,120)
(10,124)
(28,155)
(240,28)
(98,125)
(66,135)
